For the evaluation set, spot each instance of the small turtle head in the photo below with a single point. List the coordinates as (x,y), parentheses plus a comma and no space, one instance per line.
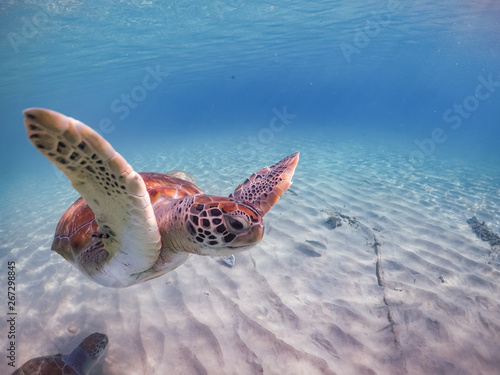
(86,355)
(223,226)
(94,345)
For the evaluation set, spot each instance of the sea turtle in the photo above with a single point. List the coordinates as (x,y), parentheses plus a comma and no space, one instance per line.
(130,227)
(79,362)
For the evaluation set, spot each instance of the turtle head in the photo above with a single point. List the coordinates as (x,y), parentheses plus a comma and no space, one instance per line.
(222,226)
(86,355)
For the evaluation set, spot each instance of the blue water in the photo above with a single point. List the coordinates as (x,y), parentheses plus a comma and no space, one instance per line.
(395,106)
(390,69)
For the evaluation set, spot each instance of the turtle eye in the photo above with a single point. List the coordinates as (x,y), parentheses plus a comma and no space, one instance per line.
(236,224)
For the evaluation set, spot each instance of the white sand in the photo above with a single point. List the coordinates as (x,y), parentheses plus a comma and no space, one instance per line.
(281,310)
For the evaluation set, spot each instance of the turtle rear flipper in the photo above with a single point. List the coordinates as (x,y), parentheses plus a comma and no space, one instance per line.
(264,188)
(117,195)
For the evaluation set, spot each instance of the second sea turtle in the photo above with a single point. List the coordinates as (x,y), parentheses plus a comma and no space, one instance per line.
(79,362)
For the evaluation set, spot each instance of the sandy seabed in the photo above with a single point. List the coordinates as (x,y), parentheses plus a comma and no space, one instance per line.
(405,288)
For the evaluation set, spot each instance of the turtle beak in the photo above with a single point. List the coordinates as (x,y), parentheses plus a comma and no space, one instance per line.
(249,238)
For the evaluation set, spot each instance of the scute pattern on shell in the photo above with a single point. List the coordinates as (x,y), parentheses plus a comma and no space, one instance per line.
(77,226)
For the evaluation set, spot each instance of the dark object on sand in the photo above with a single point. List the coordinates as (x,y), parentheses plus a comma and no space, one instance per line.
(308,250)
(229,260)
(334,221)
(319,245)
(336,218)
(484,233)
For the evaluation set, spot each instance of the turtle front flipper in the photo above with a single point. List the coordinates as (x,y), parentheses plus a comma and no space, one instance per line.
(263,189)
(117,195)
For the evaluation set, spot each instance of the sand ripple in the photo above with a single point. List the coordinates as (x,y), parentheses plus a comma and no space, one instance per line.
(408,290)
